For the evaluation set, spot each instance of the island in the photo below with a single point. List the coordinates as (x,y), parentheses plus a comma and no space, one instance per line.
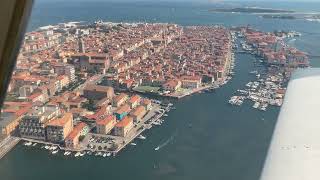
(270,16)
(250,10)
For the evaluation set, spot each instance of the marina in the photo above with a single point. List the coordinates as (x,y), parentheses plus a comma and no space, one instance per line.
(91,149)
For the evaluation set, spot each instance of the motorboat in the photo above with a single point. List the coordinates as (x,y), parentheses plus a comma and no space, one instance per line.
(141,137)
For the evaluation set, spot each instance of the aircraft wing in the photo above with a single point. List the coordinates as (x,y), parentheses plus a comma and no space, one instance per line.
(294,152)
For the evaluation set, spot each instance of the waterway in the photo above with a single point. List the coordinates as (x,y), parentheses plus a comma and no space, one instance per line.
(204,138)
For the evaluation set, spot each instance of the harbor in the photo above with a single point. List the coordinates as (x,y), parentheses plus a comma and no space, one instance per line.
(274,62)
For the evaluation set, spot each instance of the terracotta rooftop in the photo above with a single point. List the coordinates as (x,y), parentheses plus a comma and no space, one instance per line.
(61,121)
(76,130)
(106,120)
(125,122)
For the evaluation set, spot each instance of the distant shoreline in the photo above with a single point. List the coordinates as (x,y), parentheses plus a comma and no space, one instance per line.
(250,10)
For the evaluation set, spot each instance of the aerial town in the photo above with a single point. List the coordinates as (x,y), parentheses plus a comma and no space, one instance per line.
(80,88)
(274,64)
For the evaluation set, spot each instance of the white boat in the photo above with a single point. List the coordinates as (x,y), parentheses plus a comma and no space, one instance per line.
(105,155)
(82,154)
(77,154)
(34,144)
(28,143)
(55,152)
(165,115)
(46,147)
(157,148)
(133,144)
(141,137)
(54,147)
(256,105)
(65,153)
(108,154)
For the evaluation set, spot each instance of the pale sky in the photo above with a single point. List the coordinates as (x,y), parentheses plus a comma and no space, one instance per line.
(191,0)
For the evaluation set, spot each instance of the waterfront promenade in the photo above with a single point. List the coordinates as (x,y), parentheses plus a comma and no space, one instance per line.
(7,144)
(121,142)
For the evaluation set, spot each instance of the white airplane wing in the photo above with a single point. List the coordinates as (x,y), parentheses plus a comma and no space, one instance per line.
(294,152)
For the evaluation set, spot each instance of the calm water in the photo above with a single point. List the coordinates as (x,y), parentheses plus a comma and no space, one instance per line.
(224,143)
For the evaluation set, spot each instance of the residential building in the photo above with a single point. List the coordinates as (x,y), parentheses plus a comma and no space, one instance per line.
(25,91)
(72,140)
(123,127)
(138,113)
(58,129)
(8,123)
(104,126)
(147,104)
(96,92)
(70,72)
(171,85)
(134,101)
(97,63)
(191,82)
(119,100)
(63,81)
(33,125)
(122,111)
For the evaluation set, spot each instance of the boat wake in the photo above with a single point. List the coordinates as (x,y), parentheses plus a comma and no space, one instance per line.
(171,138)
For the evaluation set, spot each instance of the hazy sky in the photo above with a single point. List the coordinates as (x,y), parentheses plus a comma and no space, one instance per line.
(191,0)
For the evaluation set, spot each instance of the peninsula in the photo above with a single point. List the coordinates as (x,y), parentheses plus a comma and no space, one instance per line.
(80,87)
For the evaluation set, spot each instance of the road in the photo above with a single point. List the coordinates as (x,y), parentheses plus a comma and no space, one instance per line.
(7,144)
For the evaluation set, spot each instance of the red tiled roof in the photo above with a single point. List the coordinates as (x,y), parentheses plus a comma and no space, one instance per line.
(125,122)
(76,130)
(61,121)
(106,120)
